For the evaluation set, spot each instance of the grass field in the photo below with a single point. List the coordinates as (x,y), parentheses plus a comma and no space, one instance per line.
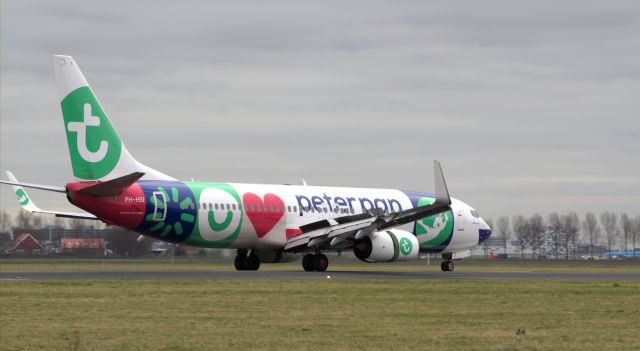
(312,315)
(344,264)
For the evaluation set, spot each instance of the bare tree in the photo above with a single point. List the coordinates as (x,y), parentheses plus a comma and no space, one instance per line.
(78,223)
(5,221)
(536,225)
(636,234)
(591,230)
(59,222)
(503,230)
(556,230)
(520,227)
(24,219)
(610,226)
(570,229)
(627,229)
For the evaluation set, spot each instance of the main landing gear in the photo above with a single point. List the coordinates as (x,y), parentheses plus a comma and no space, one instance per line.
(447,265)
(315,262)
(246,261)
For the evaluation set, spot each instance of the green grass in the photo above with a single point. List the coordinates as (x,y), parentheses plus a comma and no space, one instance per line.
(317,315)
(344,264)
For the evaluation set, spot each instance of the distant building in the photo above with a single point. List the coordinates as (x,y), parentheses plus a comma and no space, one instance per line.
(79,246)
(25,244)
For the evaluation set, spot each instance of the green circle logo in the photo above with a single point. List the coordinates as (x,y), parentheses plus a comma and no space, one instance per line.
(405,246)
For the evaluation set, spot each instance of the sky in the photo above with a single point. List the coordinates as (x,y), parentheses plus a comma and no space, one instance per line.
(531,107)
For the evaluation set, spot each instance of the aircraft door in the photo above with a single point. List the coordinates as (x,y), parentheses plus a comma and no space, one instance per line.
(159,206)
(460,220)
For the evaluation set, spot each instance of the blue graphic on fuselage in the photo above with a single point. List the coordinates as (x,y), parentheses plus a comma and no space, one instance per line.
(170,212)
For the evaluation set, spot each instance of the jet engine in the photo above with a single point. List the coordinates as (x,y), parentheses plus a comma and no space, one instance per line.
(387,246)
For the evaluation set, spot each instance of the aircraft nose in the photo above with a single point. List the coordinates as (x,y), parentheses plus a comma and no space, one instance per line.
(484,232)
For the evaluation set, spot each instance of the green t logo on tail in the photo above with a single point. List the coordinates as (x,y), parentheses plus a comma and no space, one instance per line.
(94,145)
(23,199)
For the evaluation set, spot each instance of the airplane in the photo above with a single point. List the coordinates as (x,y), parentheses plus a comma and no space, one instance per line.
(378,225)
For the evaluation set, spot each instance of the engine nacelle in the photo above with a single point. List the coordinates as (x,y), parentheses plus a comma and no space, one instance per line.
(387,246)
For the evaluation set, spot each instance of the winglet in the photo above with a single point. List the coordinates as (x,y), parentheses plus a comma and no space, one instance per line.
(23,198)
(442,193)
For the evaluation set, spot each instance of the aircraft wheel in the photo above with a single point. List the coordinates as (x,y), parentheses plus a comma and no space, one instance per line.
(253,262)
(240,262)
(443,266)
(450,266)
(320,262)
(447,266)
(307,262)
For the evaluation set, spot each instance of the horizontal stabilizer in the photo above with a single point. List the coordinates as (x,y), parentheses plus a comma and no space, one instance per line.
(113,187)
(27,204)
(14,183)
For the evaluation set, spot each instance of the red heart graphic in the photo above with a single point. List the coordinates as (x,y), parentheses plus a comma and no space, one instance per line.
(263,215)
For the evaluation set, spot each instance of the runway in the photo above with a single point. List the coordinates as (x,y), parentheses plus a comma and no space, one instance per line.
(300,275)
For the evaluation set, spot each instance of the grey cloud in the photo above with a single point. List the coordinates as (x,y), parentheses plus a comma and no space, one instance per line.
(358,93)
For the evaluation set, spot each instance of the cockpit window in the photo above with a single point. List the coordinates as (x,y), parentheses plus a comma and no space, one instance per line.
(475,214)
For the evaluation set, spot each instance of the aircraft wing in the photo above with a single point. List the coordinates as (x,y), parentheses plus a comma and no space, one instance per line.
(28,204)
(327,233)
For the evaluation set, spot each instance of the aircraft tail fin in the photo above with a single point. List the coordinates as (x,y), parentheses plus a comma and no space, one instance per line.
(95,148)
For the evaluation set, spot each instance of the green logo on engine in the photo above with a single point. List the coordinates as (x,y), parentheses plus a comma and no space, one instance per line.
(405,246)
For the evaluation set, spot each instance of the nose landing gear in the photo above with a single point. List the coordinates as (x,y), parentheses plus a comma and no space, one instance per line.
(447,265)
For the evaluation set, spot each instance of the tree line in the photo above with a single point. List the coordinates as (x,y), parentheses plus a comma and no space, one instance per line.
(559,235)
(27,220)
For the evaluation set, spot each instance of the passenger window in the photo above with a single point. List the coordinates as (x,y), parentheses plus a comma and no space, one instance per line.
(228,207)
(233,207)
(295,209)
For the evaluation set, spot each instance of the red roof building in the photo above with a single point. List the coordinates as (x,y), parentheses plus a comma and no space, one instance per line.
(25,243)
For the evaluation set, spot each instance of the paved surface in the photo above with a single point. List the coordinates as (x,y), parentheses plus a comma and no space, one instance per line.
(289,275)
